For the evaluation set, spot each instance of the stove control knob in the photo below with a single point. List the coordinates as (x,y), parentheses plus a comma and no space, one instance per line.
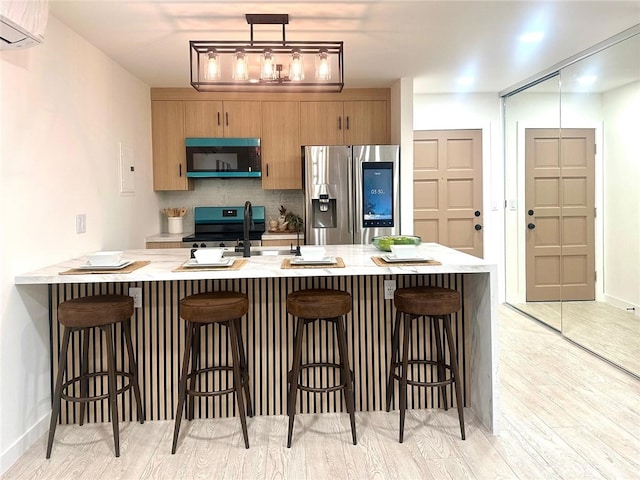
(203,245)
(195,245)
(222,244)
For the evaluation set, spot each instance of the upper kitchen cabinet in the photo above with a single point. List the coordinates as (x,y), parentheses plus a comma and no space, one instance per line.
(211,118)
(280,146)
(357,122)
(169,160)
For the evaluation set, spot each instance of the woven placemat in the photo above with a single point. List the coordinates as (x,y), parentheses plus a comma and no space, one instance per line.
(286,264)
(381,263)
(236,265)
(128,269)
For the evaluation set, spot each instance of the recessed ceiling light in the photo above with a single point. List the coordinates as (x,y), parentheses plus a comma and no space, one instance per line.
(468,80)
(587,79)
(532,37)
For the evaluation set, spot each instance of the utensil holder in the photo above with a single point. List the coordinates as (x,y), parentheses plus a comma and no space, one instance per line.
(175,224)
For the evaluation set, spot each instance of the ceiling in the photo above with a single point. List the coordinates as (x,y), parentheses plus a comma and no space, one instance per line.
(445,46)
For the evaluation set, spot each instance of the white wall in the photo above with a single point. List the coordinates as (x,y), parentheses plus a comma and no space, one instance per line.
(402,134)
(621,112)
(474,111)
(65,107)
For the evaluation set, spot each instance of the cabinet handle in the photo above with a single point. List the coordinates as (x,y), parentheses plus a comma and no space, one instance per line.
(180,169)
(218,118)
(267,169)
(347,123)
(339,123)
(226,118)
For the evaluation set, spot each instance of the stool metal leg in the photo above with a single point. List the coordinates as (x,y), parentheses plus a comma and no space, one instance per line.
(395,351)
(243,366)
(57,395)
(405,367)
(454,368)
(295,372)
(133,367)
(113,387)
(237,379)
(349,394)
(195,366)
(84,370)
(182,389)
(440,359)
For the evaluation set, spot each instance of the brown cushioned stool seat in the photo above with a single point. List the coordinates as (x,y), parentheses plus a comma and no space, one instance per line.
(83,315)
(201,309)
(432,303)
(320,305)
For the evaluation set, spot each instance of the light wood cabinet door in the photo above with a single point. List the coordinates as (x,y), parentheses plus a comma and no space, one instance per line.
(169,159)
(242,119)
(361,122)
(217,119)
(203,119)
(365,122)
(280,146)
(321,123)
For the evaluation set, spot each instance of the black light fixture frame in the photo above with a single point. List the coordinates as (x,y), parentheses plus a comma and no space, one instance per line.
(199,48)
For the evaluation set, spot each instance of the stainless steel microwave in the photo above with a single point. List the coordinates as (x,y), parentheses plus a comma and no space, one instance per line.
(223,157)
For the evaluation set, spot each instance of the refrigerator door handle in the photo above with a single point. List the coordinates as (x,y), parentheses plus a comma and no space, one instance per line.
(351,207)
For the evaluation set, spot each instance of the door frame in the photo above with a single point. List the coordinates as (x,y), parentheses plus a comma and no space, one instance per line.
(519,293)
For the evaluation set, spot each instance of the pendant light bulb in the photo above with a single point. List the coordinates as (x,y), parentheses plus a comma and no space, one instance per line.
(213,65)
(241,66)
(268,65)
(323,68)
(296,68)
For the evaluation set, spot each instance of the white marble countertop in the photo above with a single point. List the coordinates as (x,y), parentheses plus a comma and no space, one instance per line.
(167,237)
(357,260)
(281,236)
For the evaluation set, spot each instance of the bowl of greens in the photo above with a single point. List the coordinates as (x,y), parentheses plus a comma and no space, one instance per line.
(384,242)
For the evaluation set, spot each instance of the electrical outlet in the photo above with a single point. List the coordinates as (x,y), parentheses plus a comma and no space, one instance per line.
(389,288)
(136,293)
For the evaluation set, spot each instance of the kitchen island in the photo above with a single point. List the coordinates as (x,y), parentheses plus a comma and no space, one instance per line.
(159,333)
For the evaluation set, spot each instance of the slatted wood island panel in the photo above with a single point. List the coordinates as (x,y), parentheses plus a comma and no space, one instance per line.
(159,332)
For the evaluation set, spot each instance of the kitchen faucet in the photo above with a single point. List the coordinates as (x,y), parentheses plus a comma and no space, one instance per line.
(247,223)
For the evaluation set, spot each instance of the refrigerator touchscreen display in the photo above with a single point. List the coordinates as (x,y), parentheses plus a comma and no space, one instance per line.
(377,194)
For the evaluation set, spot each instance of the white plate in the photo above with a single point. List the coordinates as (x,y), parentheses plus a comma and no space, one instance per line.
(390,258)
(88,266)
(322,261)
(223,262)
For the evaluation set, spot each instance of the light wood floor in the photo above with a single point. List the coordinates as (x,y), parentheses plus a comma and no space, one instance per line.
(565,414)
(609,331)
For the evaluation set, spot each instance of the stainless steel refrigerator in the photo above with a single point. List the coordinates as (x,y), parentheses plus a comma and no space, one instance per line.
(352,193)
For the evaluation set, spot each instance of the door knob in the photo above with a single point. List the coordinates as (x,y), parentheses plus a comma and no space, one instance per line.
(531,226)
(530,212)
(478,227)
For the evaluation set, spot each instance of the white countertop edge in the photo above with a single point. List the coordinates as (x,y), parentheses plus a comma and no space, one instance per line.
(357,259)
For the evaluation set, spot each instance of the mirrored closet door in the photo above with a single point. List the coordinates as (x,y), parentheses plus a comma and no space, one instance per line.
(572,144)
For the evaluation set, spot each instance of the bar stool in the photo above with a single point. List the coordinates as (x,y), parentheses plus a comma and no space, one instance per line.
(201,309)
(432,303)
(309,306)
(83,315)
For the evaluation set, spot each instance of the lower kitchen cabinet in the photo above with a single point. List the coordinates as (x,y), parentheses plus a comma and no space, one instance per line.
(164,244)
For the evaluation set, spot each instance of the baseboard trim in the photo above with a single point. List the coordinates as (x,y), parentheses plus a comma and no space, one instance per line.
(26,441)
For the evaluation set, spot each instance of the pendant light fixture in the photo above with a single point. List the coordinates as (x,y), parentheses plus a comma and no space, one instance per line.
(291,66)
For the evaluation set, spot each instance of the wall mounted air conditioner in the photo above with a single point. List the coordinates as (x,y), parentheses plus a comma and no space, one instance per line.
(22,24)
(14,36)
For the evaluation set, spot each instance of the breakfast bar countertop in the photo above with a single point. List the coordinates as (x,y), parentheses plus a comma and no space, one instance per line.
(163,263)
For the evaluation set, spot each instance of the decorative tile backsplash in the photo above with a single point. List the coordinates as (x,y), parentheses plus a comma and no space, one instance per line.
(229,193)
